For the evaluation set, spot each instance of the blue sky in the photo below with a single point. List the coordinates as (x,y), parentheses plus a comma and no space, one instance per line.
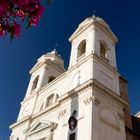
(59,21)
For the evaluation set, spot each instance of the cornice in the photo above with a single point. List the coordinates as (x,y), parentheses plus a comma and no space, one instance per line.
(67,96)
(80,62)
(27,118)
(37,66)
(95,57)
(92,84)
(64,98)
(45,63)
(106,64)
(53,106)
(52,83)
(76,33)
(96,24)
(106,31)
(109,92)
(32,95)
(64,75)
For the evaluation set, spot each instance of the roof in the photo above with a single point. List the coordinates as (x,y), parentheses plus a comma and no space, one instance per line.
(93,21)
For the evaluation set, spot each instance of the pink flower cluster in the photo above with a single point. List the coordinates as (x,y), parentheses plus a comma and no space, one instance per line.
(13,11)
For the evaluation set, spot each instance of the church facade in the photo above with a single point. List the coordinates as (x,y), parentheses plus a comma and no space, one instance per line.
(88,101)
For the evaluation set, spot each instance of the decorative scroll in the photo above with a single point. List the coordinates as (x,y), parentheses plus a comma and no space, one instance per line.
(62,113)
(90,99)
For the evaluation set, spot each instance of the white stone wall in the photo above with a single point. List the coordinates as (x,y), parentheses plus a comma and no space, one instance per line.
(97,113)
(107,76)
(111,55)
(87,35)
(90,86)
(66,83)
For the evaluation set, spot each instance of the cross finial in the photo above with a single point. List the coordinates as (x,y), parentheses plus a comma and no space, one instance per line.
(55,46)
(94,13)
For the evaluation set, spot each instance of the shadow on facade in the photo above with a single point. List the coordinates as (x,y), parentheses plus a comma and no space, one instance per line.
(73,118)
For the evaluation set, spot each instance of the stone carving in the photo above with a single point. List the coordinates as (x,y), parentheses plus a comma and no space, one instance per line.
(90,99)
(62,113)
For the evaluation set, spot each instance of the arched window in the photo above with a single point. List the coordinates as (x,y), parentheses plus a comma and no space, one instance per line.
(35,83)
(50,100)
(81,49)
(103,50)
(51,78)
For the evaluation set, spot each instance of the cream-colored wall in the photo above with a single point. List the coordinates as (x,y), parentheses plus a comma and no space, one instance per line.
(107,76)
(63,84)
(56,115)
(111,55)
(111,118)
(90,86)
(19,131)
(98,112)
(87,35)
(27,107)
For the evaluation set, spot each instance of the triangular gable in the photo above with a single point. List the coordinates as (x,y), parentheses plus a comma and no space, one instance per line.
(36,66)
(81,26)
(39,126)
(87,22)
(42,125)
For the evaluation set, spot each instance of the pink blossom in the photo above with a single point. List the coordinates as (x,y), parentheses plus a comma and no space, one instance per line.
(10,10)
(33,21)
(40,10)
(2,32)
(3,7)
(20,14)
(16,29)
(21,3)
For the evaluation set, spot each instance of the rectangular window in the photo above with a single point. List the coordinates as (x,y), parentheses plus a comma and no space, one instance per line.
(72,136)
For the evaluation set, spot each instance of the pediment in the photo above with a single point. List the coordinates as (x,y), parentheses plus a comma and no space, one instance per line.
(95,21)
(81,26)
(36,66)
(41,126)
(40,62)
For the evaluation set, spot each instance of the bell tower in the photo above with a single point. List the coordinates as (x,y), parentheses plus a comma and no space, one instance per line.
(94,40)
(48,67)
(93,35)
(93,53)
